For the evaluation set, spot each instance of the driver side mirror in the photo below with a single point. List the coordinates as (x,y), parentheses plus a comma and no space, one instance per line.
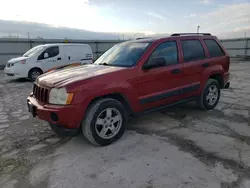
(45,55)
(154,63)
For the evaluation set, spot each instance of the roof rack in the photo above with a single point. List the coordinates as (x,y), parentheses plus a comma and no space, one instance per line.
(180,34)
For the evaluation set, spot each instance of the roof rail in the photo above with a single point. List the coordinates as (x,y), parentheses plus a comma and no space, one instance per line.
(180,34)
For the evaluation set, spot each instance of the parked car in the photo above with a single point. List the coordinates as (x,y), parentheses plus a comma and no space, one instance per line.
(43,58)
(129,79)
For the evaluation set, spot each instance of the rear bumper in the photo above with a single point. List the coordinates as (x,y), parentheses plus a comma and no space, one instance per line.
(64,120)
(226,80)
(227,85)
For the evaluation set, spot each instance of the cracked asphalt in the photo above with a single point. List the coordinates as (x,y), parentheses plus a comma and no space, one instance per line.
(179,147)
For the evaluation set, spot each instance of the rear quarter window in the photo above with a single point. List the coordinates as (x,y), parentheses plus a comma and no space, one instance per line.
(213,48)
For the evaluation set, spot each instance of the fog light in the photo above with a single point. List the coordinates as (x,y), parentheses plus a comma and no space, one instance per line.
(54,117)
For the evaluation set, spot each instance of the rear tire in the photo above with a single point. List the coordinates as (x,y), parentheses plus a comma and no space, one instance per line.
(105,122)
(210,95)
(34,73)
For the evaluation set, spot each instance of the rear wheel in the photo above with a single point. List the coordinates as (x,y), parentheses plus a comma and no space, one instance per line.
(105,122)
(210,95)
(34,73)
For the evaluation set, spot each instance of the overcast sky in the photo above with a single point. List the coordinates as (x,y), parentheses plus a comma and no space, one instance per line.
(136,16)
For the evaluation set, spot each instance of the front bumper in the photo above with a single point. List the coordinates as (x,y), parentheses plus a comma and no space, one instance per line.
(64,120)
(12,73)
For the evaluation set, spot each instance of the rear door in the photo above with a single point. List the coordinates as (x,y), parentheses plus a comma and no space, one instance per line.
(194,62)
(159,86)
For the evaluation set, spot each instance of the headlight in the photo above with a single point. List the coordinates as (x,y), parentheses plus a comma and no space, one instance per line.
(19,62)
(60,96)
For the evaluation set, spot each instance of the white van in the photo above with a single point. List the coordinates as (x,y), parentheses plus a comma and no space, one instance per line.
(43,58)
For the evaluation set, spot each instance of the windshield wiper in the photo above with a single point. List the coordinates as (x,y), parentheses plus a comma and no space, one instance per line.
(103,63)
(106,64)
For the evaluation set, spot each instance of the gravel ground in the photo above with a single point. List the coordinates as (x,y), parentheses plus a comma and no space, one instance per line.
(173,148)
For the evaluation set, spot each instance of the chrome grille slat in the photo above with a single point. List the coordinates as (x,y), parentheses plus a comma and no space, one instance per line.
(40,93)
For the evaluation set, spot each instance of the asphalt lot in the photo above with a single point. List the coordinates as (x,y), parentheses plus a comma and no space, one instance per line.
(180,147)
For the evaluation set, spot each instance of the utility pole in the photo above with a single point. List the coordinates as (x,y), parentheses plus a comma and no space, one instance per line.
(245,55)
(29,40)
(198,28)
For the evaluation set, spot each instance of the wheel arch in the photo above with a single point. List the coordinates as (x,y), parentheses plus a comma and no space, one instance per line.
(117,96)
(33,69)
(219,78)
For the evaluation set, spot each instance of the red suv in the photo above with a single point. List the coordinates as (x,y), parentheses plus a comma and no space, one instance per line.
(131,78)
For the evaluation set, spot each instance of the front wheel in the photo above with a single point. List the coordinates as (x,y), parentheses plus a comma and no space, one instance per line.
(34,73)
(104,122)
(210,95)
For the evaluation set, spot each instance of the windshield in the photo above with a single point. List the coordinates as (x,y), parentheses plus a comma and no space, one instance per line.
(33,51)
(123,55)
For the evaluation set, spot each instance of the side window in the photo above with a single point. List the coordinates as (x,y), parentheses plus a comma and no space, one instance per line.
(214,48)
(192,50)
(166,50)
(51,51)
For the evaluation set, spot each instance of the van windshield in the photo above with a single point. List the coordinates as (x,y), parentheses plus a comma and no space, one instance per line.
(123,55)
(33,51)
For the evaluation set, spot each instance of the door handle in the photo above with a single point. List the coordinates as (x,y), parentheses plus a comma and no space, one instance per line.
(59,58)
(205,65)
(176,71)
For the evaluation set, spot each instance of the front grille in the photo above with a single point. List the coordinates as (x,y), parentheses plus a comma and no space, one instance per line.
(9,74)
(41,93)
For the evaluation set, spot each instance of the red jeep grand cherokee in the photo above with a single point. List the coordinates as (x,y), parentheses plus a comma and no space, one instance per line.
(131,78)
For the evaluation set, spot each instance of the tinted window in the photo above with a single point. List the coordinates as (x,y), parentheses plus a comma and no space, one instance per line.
(192,50)
(168,51)
(51,51)
(213,48)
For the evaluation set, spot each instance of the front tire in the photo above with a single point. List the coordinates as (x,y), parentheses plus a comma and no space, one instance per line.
(34,73)
(210,95)
(104,122)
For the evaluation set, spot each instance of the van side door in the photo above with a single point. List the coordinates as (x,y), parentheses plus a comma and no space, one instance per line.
(50,58)
(75,54)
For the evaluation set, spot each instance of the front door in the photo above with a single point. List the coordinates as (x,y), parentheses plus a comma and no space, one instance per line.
(160,85)
(50,58)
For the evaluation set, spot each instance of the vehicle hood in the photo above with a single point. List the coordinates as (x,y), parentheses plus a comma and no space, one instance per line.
(17,59)
(64,77)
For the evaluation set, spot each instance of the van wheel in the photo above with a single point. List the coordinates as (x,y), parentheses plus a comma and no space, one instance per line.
(105,122)
(34,73)
(210,95)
